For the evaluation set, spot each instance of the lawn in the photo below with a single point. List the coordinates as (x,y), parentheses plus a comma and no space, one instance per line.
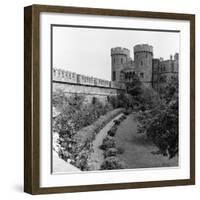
(138,149)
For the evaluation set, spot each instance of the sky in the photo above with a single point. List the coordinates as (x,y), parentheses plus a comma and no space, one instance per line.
(87,50)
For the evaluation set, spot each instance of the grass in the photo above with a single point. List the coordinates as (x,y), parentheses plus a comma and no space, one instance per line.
(137,148)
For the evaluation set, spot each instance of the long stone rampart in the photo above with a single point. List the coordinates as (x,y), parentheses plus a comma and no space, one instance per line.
(64,76)
(71,83)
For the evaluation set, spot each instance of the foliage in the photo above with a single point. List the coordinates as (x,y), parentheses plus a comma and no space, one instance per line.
(117,122)
(113,130)
(144,98)
(108,142)
(77,124)
(160,121)
(135,88)
(75,113)
(170,90)
(84,138)
(110,152)
(121,101)
(112,163)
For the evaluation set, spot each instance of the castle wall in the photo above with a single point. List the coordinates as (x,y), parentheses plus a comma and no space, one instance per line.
(88,91)
(71,77)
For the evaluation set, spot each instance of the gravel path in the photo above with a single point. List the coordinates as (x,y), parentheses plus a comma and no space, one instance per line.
(137,148)
(96,157)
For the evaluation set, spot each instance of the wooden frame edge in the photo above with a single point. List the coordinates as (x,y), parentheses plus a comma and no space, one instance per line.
(192,98)
(31,100)
(27,99)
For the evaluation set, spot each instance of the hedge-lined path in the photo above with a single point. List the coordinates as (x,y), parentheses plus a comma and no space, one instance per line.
(97,157)
(137,148)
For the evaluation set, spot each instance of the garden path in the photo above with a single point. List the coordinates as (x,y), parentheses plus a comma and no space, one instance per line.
(137,148)
(97,157)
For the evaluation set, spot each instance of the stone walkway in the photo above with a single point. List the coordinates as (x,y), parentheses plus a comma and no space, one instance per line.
(96,158)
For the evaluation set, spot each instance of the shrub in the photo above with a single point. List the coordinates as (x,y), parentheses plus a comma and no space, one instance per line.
(123,117)
(110,152)
(64,144)
(112,163)
(78,123)
(89,132)
(128,111)
(65,155)
(81,160)
(120,150)
(116,122)
(107,143)
(121,101)
(113,130)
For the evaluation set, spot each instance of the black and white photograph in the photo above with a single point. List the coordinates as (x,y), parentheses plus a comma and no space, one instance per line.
(114,98)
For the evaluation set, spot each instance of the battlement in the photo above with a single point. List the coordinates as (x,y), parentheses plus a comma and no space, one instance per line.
(120,50)
(74,78)
(143,48)
(65,76)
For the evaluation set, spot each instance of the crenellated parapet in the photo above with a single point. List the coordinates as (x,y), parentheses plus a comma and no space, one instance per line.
(143,48)
(120,51)
(63,76)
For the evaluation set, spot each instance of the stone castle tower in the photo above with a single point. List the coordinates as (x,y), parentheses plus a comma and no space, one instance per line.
(143,56)
(151,71)
(120,56)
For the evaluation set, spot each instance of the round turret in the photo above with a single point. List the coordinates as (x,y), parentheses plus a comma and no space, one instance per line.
(119,57)
(143,56)
(120,50)
(143,48)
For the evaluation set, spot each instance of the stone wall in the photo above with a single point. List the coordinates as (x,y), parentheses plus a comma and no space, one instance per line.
(64,76)
(88,91)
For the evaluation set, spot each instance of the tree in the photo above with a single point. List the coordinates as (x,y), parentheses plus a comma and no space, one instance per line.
(135,87)
(160,121)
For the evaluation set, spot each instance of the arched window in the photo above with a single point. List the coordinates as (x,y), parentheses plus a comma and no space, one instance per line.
(121,60)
